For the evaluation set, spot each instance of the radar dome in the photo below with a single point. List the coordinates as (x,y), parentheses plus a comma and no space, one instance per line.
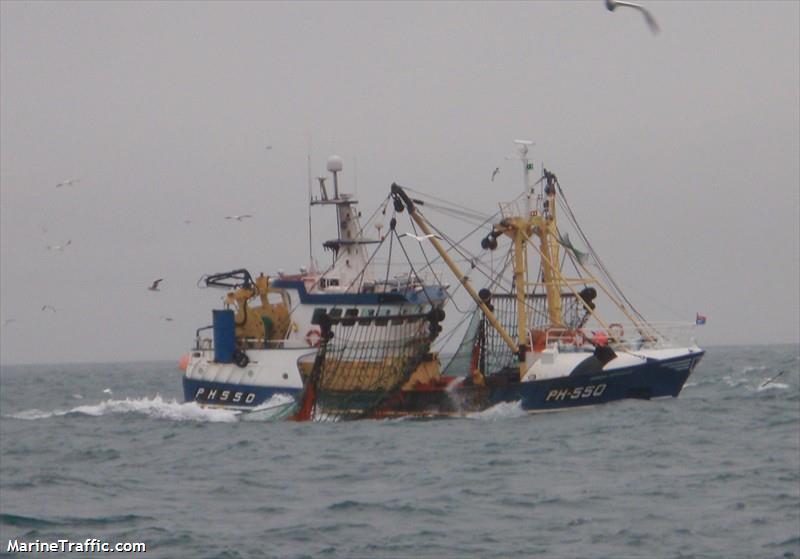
(334,164)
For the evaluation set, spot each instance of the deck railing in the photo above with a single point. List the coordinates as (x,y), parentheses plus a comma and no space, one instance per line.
(624,336)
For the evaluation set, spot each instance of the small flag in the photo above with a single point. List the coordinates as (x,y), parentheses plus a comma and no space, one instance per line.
(700,319)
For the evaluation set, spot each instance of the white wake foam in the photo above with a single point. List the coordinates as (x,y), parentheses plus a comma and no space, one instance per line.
(155,407)
(503,410)
(277,407)
(773,386)
(754,385)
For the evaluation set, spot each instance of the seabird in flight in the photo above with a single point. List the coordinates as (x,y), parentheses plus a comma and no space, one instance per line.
(613,4)
(59,247)
(70,182)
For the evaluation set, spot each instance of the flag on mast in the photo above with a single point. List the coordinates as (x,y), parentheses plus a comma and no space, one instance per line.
(581,257)
(700,319)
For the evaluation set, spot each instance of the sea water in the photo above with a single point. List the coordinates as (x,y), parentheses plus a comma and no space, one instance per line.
(110,452)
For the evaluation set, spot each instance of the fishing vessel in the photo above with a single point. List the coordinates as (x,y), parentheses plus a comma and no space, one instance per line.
(266,337)
(539,334)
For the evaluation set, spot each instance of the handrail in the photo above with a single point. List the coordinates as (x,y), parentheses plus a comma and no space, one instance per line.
(207,344)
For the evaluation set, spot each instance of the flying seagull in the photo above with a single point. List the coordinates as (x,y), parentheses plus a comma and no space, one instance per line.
(8,321)
(166,318)
(70,182)
(59,247)
(613,4)
(494,173)
(154,287)
(420,238)
(48,308)
(238,217)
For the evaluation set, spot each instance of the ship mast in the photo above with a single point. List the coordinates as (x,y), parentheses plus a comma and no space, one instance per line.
(521,222)
(547,231)
(403,201)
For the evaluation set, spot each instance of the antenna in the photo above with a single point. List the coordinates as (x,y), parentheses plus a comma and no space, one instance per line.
(526,167)
(310,182)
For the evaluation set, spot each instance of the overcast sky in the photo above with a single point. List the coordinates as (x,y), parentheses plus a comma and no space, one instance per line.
(678,151)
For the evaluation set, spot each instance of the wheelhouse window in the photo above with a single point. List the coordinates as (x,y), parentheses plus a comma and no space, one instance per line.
(350,317)
(316,317)
(328,282)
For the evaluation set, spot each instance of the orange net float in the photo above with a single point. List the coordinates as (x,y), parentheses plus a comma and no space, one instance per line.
(600,338)
(538,337)
(183,364)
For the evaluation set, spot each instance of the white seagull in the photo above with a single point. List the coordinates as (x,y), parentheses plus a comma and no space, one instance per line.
(612,5)
(8,321)
(70,182)
(154,287)
(494,173)
(59,247)
(420,238)
(238,217)
(166,318)
(50,308)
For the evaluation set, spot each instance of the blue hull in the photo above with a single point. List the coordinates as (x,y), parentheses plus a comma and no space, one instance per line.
(239,396)
(653,379)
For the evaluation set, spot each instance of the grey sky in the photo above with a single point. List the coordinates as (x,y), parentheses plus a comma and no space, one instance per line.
(678,151)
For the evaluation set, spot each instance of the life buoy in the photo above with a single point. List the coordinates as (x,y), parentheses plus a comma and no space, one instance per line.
(616,330)
(313,337)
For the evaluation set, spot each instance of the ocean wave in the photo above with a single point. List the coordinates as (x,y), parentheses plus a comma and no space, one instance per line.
(36,522)
(734,382)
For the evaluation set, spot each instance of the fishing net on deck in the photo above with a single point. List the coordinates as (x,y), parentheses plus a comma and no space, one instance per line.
(495,355)
(364,360)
